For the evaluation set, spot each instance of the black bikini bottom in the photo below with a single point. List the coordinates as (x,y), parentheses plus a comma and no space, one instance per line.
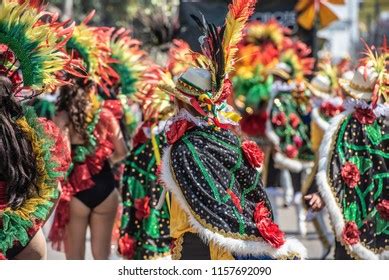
(104,185)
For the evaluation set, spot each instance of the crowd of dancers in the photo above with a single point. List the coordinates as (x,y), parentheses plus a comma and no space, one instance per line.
(187,158)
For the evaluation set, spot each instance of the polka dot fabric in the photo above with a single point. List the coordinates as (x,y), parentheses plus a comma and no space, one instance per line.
(219,185)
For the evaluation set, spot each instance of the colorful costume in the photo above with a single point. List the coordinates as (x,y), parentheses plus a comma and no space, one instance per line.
(353,172)
(30,56)
(327,103)
(144,229)
(219,209)
(90,177)
(258,52)
(288,125)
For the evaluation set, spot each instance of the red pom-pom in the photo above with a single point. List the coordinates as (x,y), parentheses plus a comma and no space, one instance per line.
(383,209)
(2,257)
(279,119)
(365,116)
(298,141)
(350,174)
(330,110)
(291,151)
(142,207)
(261,212)
(253,153)
(177,130)
(294,120)
(115,107)
(350,233)
(269,231)
(127,246)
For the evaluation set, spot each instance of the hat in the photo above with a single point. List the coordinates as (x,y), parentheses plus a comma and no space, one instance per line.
(321,86)
(348,75)
(282,70)
(206,85)
(361,86)
(370,81)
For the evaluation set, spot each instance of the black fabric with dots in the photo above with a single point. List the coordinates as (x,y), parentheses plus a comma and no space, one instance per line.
(367,147)
(208,166)
(151,231)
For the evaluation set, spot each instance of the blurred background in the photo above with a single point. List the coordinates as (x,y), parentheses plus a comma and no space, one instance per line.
(336,27)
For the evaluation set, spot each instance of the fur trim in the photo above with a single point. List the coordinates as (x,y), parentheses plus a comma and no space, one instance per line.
(273,137)
(379,110)
(322,123)
(334,210)
(295,166)
(240,247)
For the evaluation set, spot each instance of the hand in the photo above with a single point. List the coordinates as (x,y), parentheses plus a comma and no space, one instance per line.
(315,202)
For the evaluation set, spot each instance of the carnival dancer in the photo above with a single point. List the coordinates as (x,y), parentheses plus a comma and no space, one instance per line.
(219,209)
(327,103)
(144,229)
(34,156)
(259,51)
(353,175)
(288,124)
(89,195)
(130,63)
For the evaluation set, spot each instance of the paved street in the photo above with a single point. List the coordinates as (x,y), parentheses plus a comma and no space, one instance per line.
(287,222)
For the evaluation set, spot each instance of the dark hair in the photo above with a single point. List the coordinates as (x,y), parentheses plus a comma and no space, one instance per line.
(18,163)
(74,100)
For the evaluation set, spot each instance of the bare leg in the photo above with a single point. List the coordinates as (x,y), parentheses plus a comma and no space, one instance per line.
(76,230)
(35,250)
(101,224)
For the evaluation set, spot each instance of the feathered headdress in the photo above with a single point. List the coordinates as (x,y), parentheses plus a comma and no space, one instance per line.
(207,86)
(220,45)
(379,61)
(331,72)
(180,58)
(371,80)
(156,103)
(273,32)
(130,62)
(30,48)
(92,46)
(296,56)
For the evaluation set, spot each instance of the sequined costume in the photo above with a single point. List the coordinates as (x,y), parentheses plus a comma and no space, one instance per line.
(145,222)
(221,195)
(90,177)
(144,230)
(30,59)
(353,172)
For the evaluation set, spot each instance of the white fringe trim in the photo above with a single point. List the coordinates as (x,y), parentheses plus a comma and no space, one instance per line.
(283,162)
(273,137)
(239,247)
(334,211)
(379,110)
(322,123)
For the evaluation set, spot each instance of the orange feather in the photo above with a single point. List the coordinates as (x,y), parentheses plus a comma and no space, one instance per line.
(238,14)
